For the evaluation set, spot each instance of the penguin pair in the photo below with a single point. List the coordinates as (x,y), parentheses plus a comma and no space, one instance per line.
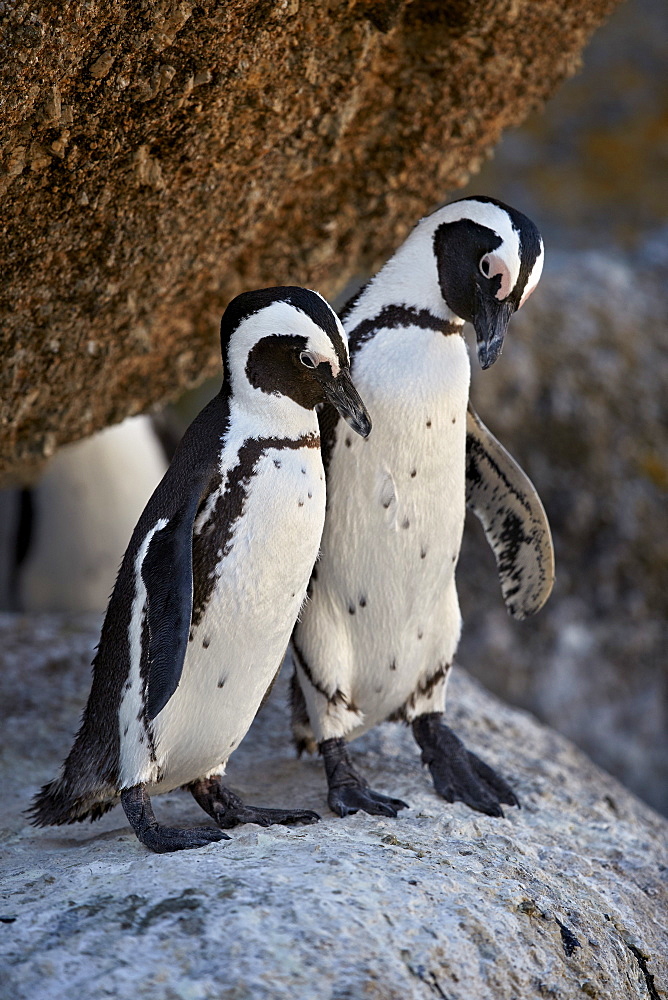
(377,638)
(212,581)
(217,568)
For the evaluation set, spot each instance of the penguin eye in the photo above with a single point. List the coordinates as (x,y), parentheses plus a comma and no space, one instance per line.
(307,359)
(484,266)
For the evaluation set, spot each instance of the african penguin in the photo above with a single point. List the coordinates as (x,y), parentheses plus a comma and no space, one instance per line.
(213,579)
(378,635)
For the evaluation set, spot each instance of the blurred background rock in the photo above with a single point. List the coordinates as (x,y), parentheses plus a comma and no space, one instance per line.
(579,397)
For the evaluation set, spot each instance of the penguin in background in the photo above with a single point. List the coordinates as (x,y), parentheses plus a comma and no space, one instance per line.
(377,638)
(212,581)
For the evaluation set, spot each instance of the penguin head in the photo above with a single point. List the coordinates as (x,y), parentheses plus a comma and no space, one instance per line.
(489,259)
(287,342)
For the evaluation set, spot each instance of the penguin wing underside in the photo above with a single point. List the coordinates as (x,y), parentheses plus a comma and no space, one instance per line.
(505,501)
(168,577)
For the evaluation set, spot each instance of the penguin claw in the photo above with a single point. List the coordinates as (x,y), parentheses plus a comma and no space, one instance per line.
(345,800)
(348,790)
(228,810)
(269,817)
(165,839)
(137,806)
(503,791)
(458,774)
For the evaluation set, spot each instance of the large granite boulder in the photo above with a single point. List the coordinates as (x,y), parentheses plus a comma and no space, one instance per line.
(158,158)
(562,899)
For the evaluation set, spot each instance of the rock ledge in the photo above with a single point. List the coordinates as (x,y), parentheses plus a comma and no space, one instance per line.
(563,898)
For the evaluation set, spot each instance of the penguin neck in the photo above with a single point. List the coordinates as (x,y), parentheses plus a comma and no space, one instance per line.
(260,414)
(408,279)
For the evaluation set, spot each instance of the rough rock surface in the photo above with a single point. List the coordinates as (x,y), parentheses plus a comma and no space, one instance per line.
(579,397)
(563,899)
(158,158)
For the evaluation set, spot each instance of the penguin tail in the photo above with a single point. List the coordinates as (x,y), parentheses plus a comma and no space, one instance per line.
(58,803)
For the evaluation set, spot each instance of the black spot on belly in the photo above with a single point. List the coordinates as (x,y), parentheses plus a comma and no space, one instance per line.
(303,472)
(429,423)
(277,463)
(310,495)
(233,744)
(206,642)
(419,633)
(378,690)
(406,523)
(454,558)
(142,738)
(221,681)
(300,503)
(349,441)
(362,602)
(423,553)
(125,731)
(393,665)
(351,609)
(413,473)
(454,420)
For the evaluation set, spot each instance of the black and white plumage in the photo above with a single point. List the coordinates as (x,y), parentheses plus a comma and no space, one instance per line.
(378,636)
(213,579)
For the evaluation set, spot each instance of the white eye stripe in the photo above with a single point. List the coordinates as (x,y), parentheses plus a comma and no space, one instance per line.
(533,278)
(527,293)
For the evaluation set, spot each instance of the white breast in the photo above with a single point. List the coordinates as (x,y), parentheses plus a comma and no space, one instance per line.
(238,645)
(383,605)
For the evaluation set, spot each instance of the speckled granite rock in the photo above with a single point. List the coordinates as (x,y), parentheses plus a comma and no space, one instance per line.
(564,898)
(157,158)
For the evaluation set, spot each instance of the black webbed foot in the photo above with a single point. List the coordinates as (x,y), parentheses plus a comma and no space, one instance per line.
(458,774)
(348,790)
(162,839)
(228,810)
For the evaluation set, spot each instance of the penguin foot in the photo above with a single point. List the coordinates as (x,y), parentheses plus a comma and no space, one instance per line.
(348,790)
(458,774)
(228,810)
(162,839)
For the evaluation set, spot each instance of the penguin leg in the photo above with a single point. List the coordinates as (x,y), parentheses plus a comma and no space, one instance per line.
(228,810)
(348,790)
(162,839)
(458,774)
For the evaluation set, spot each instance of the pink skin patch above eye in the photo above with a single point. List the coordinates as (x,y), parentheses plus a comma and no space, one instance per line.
(319,358)
(497,266)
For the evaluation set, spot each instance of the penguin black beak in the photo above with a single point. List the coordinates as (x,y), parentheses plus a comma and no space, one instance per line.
(342,394)
(490,320)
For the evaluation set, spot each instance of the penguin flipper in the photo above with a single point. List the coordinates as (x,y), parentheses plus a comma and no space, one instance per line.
(505,501)
(167,573)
